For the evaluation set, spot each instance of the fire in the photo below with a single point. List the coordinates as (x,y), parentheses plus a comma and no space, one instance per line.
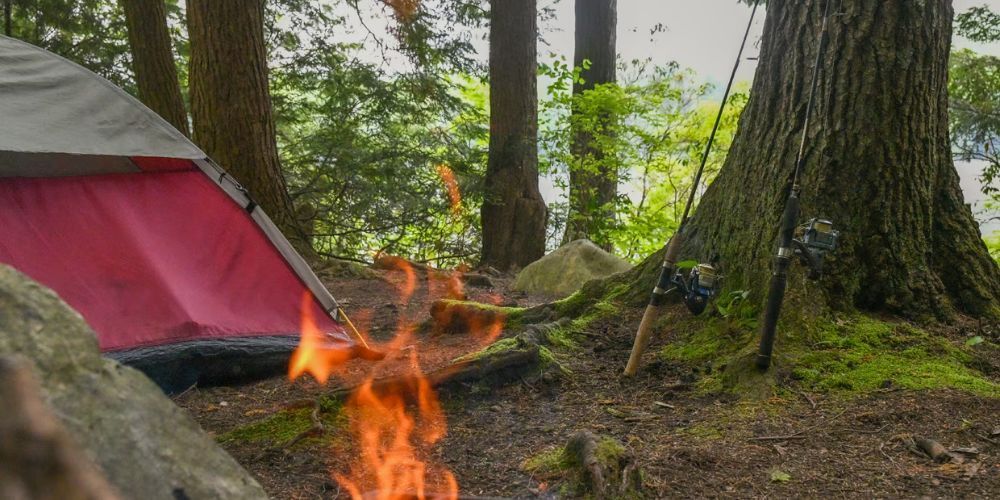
(395,423)
(451,184)
(404,9)
(312,356)
(392,438)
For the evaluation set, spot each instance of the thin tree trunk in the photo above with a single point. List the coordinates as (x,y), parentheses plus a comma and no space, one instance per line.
(8,21)
(878,164)
(593,183)
(153,60)
(231,103)
(513,212)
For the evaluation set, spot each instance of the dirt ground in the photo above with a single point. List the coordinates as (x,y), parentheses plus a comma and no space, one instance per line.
(806,445)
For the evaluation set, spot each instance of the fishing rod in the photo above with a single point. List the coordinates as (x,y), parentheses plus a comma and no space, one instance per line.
(817,236)
(702,280)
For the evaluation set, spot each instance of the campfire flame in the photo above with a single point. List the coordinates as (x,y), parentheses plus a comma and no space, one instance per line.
(395,421)
(312,356)
(451,184)
(404,9)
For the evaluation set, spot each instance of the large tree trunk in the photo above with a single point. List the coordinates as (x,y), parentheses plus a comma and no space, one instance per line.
(513,212)
(153,60)
(878,164)
(231,103)
(593,179)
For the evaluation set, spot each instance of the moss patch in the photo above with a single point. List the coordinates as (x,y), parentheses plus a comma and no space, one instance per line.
(854,354)
(285,425)
(502,345)
(566,336)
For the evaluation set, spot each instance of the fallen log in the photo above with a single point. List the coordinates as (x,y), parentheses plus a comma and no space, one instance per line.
(38,460)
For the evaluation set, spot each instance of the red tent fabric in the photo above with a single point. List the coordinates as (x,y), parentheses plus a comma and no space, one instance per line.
(151,258)
(166,256)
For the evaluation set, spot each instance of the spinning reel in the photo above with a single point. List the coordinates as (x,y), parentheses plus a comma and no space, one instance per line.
(700,285)
(814,239)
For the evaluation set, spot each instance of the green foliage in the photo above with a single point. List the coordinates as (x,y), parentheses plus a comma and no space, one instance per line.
(362,142)
(649,130)
(979,24)
(974,93)
(993,244)
(91,33)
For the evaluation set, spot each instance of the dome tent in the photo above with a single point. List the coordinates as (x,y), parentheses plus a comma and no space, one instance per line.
(166,256)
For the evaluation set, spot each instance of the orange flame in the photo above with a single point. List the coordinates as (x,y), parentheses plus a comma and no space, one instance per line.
(312,356)
(404,9)
(391,438)
(451,184)
(395,422)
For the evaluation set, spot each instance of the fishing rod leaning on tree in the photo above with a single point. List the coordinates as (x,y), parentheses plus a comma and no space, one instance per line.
(701,282)
(815,238)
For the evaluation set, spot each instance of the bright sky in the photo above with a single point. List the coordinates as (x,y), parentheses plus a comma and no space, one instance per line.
(704,35)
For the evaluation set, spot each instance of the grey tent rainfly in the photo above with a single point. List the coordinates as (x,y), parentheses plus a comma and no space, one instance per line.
(165,255)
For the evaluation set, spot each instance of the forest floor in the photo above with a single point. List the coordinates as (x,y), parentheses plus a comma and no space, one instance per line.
(687,444)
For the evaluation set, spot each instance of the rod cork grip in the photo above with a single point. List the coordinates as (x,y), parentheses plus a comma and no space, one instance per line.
(642,336)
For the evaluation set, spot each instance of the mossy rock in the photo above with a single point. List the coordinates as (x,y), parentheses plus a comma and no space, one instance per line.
(568,268)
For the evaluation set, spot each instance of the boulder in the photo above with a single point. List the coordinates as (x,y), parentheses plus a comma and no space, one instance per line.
(144,444)
(565,270)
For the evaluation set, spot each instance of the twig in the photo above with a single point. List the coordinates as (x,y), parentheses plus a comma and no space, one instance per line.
(984,438)
(798,434)
(807,398)
(316,428)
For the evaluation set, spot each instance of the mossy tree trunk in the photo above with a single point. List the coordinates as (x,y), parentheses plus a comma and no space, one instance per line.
(231,103)
(878,164)
(513,211)
(153,60)
(593,180)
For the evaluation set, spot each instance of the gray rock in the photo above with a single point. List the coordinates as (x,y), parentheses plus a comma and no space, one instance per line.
(146,446)
(565,270)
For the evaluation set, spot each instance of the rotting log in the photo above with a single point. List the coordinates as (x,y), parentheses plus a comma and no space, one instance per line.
(38,460)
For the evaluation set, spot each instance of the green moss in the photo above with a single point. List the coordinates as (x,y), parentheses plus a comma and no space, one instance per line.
(285,425)
(854,354)
(566,336)
(512,315)
(703,431)
(548,462)
(502,345)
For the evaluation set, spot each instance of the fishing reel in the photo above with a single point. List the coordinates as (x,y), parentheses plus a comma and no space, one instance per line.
(700,285)
(814,239)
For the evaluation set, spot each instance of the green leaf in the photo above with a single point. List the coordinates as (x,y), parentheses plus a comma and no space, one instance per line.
(686,264)
(978,339)
(780,476)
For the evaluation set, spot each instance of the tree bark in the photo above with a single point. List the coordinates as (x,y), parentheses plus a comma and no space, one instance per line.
(231,103)
(8,21)
(877,163)
(153,61)
(593,184)
(513,212)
